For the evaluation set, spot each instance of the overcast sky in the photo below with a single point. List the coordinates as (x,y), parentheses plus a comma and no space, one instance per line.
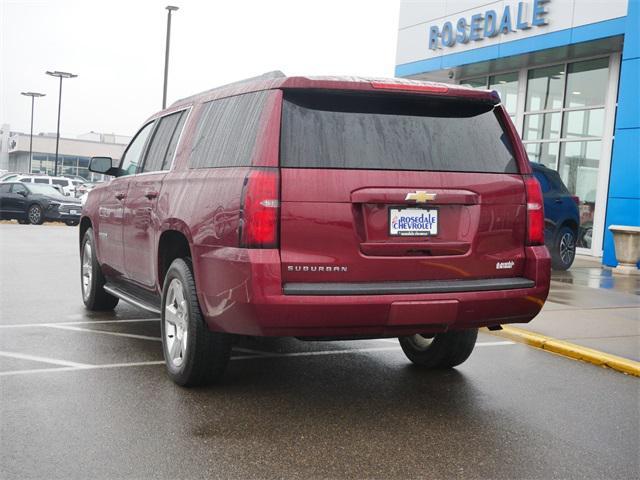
(117,49)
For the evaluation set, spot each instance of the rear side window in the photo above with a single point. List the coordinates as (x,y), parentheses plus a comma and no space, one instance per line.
(227,130)
(63,183)
(158,154)
(392,132)
(26,180)
(5,188)
(41,180)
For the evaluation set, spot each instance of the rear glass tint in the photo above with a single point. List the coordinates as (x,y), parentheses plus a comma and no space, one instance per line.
(227,130)
(392,132)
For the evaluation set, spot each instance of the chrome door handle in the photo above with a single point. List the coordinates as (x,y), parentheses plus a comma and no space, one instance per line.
(120,195)
(151,194)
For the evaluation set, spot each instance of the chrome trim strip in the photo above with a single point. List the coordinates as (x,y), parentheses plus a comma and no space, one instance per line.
(123,296)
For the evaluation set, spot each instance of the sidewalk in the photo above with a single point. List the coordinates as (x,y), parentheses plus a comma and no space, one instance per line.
(591,307)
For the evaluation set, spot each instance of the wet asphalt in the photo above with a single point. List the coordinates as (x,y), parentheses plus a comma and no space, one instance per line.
(86,396)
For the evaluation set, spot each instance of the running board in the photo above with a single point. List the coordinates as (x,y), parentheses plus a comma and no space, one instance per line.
(127,297)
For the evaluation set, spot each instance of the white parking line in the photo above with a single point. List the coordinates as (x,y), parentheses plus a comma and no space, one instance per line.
(36,358)
(71,366)
(103,332)
(85,322)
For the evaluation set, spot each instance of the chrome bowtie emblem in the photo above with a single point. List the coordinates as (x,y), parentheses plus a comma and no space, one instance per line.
(420,196)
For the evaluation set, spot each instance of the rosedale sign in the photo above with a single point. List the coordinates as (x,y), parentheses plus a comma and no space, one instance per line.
(489,24)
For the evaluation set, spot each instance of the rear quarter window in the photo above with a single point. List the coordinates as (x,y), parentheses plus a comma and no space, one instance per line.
(226,131)
(392,132)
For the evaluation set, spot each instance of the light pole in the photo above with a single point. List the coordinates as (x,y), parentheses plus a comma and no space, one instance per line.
(60,75)
(33,96)
(166,55)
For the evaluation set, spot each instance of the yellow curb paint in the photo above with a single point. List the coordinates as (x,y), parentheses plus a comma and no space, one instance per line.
(570,350)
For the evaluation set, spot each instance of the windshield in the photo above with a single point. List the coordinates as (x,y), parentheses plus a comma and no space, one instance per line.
(44,190)
(392,132)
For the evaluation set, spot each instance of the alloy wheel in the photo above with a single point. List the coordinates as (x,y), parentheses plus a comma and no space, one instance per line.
(420,342)
(176,321)
(567,248)
(87,270)
(35,214)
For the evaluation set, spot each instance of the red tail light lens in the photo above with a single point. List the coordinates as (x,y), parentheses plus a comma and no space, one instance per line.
(260,209)
(535,212)
(576,199)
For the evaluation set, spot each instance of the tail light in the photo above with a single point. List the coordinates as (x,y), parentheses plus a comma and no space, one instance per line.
(576,199)
(429,88)
(260,209)
(535,212)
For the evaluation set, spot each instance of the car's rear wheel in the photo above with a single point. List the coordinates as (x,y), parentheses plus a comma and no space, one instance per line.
(443,350)
(194,355)
(92,281)
(564,249)
(35,214)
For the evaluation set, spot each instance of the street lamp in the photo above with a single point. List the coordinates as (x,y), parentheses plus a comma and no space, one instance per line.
(33,96)
(166,55)
(60,75)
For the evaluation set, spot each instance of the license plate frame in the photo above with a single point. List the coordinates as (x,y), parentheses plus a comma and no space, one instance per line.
(430,232)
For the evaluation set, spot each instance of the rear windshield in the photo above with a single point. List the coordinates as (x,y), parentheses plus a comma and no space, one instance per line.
(392,132)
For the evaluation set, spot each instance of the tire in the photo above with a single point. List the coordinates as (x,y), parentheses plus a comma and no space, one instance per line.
(35,214)
(193,354)
(444,350)
(563,251)
(92,280)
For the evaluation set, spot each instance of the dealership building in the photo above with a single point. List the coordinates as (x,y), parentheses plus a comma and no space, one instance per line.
(567,72)
(74,154)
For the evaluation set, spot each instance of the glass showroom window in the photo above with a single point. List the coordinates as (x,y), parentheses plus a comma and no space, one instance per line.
(505,84)
(563,128)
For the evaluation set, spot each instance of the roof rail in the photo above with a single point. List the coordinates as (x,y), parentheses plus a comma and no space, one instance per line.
(265,76)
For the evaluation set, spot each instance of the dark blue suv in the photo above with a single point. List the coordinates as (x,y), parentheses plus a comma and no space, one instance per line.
(561,217)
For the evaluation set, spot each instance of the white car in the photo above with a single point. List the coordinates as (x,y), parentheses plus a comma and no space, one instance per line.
(68,186)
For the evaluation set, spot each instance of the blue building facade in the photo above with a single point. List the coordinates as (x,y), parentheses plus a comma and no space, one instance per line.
(568,72)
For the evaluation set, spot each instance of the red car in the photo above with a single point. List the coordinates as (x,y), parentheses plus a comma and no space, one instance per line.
(333,208)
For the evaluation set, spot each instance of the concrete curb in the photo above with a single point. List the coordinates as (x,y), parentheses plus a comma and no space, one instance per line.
(570,350)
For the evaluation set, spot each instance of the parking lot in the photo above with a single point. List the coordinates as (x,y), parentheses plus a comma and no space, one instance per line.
(86,396)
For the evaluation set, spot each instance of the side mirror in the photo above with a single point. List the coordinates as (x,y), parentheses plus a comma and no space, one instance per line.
(104,165)
(23,193)
(101,164)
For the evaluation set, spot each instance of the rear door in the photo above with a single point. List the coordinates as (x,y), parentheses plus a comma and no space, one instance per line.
(397,187)
(140,210)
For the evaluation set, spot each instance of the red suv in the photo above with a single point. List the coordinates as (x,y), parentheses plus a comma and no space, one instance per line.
(333,208)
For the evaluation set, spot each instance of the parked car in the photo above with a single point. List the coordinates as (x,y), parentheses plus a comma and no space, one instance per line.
(77,178)
(319,208)
(5,177)
(68,186)
(561,217)
(36,203)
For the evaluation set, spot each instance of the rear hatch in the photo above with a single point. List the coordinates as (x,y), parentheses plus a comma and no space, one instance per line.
(394,186)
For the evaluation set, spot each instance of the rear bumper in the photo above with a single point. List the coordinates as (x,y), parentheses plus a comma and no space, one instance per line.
(241,292)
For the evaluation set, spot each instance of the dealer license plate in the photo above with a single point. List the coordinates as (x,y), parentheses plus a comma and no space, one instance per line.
(73,212)
(413,222)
